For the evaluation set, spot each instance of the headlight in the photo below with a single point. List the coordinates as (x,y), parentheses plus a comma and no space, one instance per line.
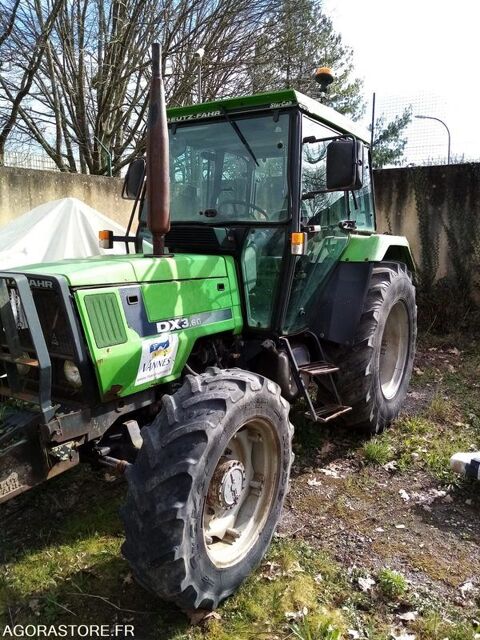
(72,374)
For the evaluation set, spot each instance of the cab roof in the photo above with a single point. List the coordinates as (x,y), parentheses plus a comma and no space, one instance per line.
(273,100)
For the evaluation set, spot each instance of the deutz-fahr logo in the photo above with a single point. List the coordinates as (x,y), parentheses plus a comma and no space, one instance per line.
(34,282)
(40,284)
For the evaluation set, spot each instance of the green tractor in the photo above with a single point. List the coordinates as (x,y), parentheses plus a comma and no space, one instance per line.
(258,280)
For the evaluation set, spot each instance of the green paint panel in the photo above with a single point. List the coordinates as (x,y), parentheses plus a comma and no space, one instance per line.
(271,100)
(131,268)
(375,248)
(166,300)
(105,319)
(88,271)
(181,266)
(117,365)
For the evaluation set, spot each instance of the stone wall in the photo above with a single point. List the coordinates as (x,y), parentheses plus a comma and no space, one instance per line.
(24,189)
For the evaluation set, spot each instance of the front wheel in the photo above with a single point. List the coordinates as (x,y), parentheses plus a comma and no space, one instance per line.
(375,372)
(206,491)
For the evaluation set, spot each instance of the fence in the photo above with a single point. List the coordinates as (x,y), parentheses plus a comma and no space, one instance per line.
(26,160)
(427,140)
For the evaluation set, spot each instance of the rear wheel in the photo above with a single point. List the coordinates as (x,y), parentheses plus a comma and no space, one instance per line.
(375,372)
(206,491)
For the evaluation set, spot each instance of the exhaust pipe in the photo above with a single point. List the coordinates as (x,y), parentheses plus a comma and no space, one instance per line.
(158,178)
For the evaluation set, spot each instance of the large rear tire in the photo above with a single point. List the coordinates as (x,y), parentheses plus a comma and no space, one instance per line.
(375,372)
(206,491)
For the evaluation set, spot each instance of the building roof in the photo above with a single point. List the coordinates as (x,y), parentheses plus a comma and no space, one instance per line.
(272,100)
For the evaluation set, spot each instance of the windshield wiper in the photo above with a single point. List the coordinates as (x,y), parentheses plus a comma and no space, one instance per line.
(240,135)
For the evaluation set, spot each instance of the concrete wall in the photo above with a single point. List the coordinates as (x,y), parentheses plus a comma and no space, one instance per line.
(438,209)
(24,189)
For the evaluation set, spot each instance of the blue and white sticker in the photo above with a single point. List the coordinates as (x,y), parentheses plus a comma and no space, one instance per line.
(158,358)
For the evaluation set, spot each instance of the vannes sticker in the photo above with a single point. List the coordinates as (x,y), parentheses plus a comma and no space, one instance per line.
(158,358)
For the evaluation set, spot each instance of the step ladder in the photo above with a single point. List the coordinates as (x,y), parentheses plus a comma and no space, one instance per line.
(327,412)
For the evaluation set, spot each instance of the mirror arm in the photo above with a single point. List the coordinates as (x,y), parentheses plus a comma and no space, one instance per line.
(355,200)
(138,198)
(347,205)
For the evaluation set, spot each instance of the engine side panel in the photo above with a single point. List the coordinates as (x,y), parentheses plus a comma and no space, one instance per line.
(141,335)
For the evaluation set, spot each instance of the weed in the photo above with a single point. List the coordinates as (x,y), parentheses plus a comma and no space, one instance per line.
(321,628)
(433,626)
(391,583)
(440,409)
(377,451)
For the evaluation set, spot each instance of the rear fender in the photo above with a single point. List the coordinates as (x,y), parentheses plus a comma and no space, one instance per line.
(341,301)
(378,247)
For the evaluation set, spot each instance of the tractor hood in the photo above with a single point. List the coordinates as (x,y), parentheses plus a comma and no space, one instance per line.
(111,270)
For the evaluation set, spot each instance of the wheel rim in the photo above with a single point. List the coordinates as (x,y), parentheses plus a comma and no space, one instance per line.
(241,492)
(394,350)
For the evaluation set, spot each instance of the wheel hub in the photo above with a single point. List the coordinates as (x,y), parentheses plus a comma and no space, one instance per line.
(227,485)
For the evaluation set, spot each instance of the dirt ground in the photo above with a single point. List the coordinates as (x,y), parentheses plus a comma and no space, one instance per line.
(362,515)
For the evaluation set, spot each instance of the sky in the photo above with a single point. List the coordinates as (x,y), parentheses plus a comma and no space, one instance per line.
(420,52)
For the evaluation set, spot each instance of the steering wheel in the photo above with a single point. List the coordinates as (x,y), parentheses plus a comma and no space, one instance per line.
(250,205)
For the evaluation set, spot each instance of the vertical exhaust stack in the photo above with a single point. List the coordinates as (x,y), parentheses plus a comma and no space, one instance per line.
(158,178)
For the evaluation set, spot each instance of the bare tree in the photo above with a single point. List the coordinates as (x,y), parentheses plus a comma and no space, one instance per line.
(7,19)
(87,98)
(30,26)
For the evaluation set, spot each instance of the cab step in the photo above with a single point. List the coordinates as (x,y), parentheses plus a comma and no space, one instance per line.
(320,368)
(315,369)
(328,412)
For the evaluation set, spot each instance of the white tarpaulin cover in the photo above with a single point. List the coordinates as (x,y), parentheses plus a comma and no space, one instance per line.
(66,228)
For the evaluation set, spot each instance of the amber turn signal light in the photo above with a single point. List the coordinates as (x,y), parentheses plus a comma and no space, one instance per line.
(105,239)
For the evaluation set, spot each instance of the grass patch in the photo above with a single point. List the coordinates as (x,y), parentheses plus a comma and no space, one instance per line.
(323,626)
(391,583)
(433,626)
(441,409)
(377,451)
(294,581)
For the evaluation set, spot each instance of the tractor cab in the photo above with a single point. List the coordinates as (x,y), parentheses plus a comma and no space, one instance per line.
(251,176)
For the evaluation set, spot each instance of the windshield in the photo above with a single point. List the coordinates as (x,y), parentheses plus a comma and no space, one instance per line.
(229,171)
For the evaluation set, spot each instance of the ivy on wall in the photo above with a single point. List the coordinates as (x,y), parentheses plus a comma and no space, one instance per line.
(461,223)
(446,200)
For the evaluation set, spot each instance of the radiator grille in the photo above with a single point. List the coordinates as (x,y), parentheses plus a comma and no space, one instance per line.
(105,318)
(52,320)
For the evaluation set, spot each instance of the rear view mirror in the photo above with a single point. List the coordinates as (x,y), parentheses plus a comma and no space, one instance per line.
(344,164)
(133,182)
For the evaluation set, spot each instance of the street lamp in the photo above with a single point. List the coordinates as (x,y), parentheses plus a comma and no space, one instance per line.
(448,131)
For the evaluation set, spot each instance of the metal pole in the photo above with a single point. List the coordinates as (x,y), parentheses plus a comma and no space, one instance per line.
(448,132)
(199,81)
(373,123)
(109,155)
